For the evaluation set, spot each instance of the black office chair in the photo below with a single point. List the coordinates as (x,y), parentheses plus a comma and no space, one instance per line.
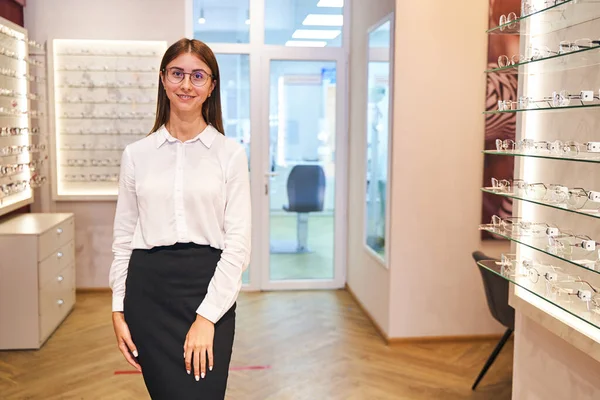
(496,291)
(306,194)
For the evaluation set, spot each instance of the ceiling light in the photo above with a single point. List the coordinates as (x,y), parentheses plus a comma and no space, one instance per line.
(330,3)
(324,20)
(247,17)
(315,34)
(305,43)
(201,20)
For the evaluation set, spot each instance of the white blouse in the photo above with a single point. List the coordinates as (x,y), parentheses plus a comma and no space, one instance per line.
(195,191)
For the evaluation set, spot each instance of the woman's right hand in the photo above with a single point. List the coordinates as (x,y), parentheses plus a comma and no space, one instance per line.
(124,339)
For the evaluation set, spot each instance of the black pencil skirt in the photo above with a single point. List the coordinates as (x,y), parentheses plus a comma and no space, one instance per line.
(164,287)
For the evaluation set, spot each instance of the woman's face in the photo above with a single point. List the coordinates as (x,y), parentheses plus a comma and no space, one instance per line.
(195,83)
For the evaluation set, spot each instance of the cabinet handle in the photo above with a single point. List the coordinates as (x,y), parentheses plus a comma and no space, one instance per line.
(60,278)
(59,254)
(60,302)
(59,230)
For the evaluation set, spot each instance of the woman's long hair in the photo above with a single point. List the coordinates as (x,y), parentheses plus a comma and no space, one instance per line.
(211,109)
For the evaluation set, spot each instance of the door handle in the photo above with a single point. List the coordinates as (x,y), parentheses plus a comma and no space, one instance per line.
(269,175)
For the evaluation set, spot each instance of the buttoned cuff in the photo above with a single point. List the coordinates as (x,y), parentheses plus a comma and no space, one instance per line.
(209,312)
(117,303)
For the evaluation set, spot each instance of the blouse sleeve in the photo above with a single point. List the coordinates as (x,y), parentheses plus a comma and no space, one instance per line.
(126,218)
(226,283)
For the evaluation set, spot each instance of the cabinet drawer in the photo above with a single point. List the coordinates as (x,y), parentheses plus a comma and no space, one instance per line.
(50,267)
(55,237)
(56,299)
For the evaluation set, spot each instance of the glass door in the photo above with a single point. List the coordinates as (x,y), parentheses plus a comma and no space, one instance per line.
(300,202)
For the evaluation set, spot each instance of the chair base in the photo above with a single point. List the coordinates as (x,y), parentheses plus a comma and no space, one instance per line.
(288,247)
(492,357)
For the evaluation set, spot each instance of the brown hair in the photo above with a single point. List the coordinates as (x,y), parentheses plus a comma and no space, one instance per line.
(211,109)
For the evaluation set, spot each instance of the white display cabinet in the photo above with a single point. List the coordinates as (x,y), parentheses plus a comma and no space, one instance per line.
(21,151)
(104,97)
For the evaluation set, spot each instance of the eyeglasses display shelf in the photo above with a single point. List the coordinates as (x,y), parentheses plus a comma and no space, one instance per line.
(104,98)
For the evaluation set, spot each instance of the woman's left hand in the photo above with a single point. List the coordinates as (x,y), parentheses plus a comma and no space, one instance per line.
(199,343)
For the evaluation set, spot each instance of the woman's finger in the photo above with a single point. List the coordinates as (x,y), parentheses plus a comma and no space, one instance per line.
(188,360)
(209,350)
(203,362)
(197,364)
(129,343)
(127,355)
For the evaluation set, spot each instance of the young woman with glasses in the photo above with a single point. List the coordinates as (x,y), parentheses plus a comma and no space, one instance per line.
(181,235)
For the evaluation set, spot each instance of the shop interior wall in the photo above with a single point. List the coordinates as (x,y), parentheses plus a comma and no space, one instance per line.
(547,367)
(367,278)
(438,128)
(111,20)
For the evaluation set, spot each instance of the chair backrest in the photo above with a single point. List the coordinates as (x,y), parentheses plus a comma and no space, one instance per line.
(306,188)
(496,291)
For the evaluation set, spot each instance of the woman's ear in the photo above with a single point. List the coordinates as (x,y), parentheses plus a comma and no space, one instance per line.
(212,87)
(162,78)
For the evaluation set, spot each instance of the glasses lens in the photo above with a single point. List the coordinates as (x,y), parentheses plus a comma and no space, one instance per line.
(175,75)
(534,275)
(496,221)
(556,147)
(558,193)
(564,47)
(537,192)
(511,19)
(577,199)
(564,96)
(582,44)
(503,61)
(199,78)
(498,146)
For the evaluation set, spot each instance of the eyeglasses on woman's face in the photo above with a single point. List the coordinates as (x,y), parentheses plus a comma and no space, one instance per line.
(176,75)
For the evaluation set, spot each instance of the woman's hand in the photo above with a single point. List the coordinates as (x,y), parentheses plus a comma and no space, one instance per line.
(199,343)
(124,339)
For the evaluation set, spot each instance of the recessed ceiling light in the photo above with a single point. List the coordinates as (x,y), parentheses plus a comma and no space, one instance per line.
(306,43)
(330,3)
(324,20)
(316,34)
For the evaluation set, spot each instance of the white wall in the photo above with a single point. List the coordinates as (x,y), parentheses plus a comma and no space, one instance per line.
(113,20)
(439,96)
(106,19)
(547,367)
(366,277)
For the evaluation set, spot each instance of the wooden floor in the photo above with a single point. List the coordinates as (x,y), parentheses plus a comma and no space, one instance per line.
(315,345)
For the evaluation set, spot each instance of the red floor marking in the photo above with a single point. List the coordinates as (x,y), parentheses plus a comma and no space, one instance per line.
(132,372)
(249,367)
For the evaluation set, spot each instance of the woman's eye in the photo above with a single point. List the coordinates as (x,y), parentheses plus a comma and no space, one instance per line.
(198,75)
(177,73)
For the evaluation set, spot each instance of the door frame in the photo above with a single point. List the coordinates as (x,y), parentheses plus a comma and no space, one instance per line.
(341,171)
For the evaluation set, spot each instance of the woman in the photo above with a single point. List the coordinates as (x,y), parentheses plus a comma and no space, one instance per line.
(181,235)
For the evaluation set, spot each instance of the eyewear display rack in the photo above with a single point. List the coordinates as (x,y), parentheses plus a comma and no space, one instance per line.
(39,100)
(555,262)
(103,98)
(22,147)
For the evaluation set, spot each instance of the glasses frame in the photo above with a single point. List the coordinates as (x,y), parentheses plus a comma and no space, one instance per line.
(166,72)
